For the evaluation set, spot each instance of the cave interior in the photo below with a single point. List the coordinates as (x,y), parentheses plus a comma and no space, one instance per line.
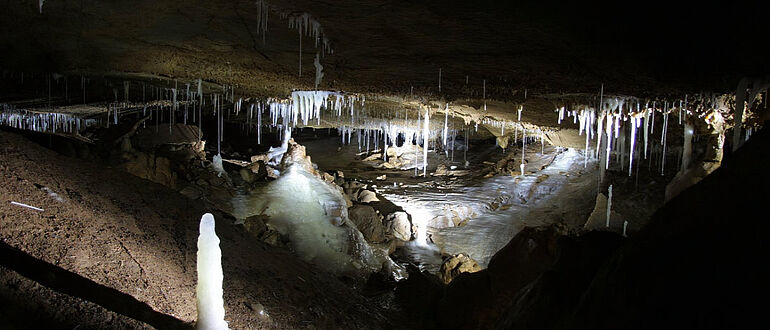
(368,164)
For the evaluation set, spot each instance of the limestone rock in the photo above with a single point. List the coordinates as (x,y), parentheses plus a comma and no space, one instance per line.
(257,158)
(399,226)
(150,167)
(367,196)
(441,170)
(455,265)
(368,222)
(441,221)
(598,218)
(373,157)
(685,179)
(247,175)
(255,225)
(191,192)
(328,177)
(296,154)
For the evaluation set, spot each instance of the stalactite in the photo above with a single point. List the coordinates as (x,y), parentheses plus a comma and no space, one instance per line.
(425,133)
(609,205)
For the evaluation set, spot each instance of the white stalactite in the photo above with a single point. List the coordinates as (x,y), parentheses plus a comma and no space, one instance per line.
(609,205)
(425,136)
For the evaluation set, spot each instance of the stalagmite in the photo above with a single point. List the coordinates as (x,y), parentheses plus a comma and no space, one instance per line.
(625,227)
(609,205)
(211,310)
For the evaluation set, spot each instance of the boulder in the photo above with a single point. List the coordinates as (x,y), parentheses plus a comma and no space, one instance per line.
(368,222)
(485,294)
(255,225)
(598,218)
(258,158)
(398,225)
(689,177)
(351,187)
(328,177)
(247,175)
(455,265)
(441,170)
(373,157)
(150,167)
(367,196)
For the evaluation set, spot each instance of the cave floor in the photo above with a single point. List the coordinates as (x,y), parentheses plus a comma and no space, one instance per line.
(137,237)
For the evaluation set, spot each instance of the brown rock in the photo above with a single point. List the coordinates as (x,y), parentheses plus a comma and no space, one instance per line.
(255,225)
(398,225)
(368,222)
(247,175)
(296,154)
(455,265)
(367,196)
(155,169)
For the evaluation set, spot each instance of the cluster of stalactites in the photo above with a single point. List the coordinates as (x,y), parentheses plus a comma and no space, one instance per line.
(44,122)
(307,107)
(308,26)
(614,112)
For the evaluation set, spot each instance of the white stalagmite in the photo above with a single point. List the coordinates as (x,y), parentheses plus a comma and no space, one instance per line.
(625,227)
(609,205)
(211,310)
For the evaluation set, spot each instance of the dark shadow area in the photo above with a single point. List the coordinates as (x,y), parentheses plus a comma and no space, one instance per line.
(75,285)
